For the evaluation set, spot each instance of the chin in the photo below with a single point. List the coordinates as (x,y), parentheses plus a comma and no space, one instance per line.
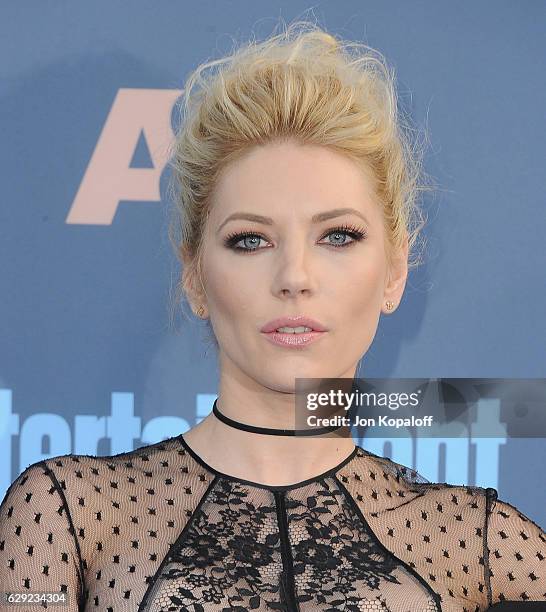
(286,383)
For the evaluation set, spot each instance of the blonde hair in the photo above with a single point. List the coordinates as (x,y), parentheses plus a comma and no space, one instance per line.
(302,85)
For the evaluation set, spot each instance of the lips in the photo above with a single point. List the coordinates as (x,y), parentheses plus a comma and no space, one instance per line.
(297,321)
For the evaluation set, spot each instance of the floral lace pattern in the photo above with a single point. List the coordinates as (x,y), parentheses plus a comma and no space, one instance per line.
(232,557)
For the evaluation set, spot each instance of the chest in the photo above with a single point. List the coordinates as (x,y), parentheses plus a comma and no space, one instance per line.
(305,551)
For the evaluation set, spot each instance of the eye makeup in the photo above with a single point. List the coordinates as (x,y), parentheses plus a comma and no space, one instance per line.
(355,233)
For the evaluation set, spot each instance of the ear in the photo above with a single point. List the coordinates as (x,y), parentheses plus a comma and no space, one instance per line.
(190,280)
(397,275)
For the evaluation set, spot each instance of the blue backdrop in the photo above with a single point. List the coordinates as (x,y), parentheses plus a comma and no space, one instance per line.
(88,360)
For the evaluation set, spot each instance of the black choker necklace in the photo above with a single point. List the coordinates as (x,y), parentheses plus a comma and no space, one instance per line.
(266,430)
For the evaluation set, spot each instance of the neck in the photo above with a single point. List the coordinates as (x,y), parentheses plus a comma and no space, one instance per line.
(271,431)
(269,459)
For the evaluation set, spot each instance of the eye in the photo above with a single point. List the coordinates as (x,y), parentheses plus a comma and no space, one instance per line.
(251,240)
(354,233)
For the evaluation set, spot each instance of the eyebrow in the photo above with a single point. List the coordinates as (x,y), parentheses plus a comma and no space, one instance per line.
(323,216)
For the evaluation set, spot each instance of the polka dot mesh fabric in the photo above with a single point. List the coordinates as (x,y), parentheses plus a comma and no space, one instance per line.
(158,530)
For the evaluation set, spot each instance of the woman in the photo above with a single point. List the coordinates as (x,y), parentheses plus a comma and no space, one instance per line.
(297,209)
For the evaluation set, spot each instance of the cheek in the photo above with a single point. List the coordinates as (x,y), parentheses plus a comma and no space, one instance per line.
(359,292)
(232,289)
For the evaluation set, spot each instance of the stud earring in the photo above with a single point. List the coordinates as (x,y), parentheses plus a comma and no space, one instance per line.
(389,305)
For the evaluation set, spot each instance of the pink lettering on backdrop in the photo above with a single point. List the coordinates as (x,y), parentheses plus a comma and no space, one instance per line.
(108,178)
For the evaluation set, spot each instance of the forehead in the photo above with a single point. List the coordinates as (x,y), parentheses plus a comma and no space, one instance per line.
(294,181)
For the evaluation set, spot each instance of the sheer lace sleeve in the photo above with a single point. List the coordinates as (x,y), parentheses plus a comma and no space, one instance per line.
(38,551)
(516,553)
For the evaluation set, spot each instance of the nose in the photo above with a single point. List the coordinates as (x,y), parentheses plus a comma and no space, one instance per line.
(294,273)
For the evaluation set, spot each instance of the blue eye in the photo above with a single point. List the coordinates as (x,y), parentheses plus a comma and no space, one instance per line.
(356,234)
(251,241)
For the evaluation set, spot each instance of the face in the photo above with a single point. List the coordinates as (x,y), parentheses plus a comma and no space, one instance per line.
(333,270)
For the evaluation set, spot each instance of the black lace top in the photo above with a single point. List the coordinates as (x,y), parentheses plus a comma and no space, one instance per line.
(157,530)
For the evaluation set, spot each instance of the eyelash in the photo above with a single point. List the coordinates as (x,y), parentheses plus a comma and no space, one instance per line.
(357,234)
